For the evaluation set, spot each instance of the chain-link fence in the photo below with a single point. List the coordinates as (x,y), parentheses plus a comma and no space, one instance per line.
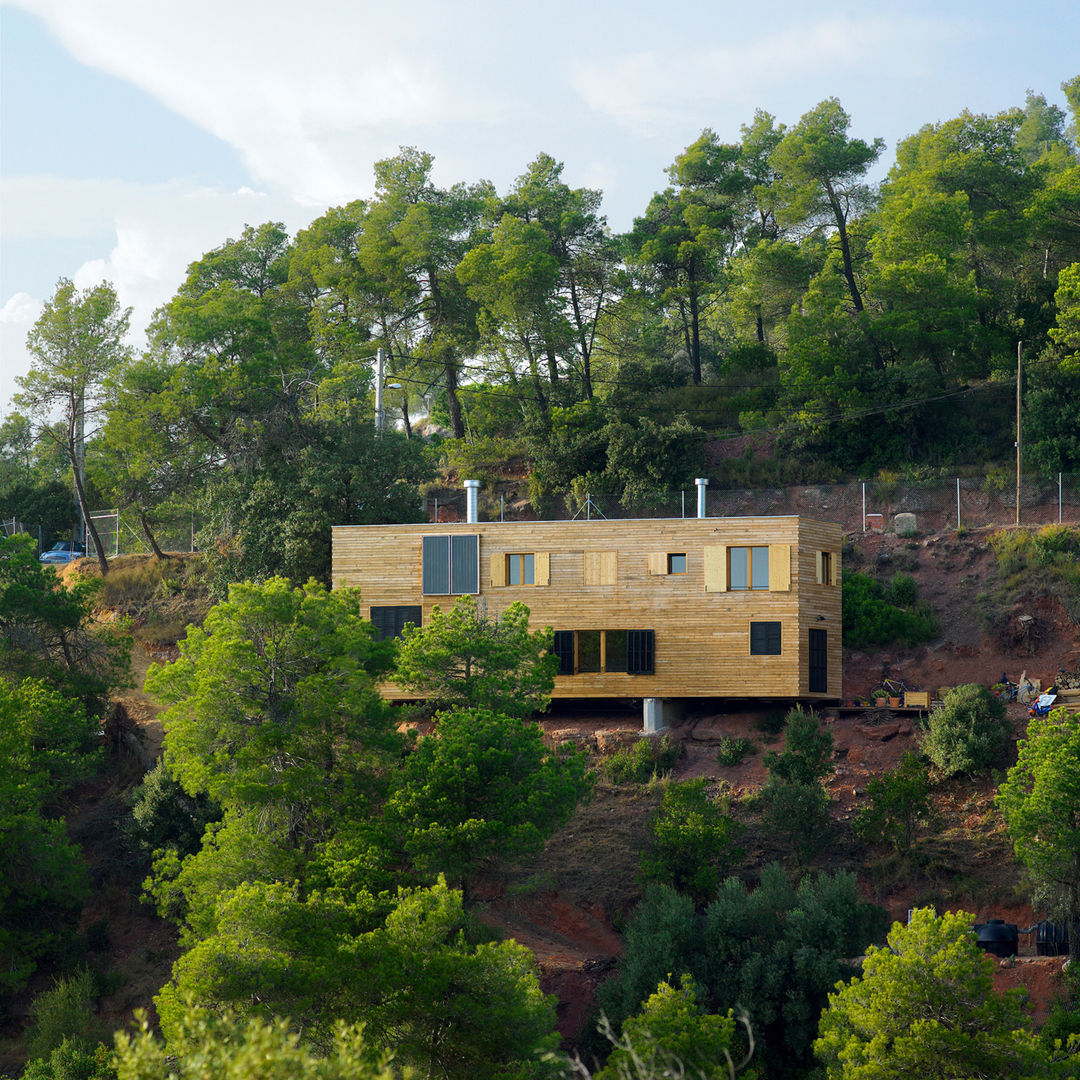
(859,506)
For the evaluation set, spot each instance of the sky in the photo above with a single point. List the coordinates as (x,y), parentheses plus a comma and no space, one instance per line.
(136,135)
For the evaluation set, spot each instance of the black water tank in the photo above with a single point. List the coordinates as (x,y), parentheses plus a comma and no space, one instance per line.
(1052,939)
(997,937)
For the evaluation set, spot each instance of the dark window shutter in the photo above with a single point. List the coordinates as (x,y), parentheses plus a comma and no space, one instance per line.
(390,621)
(464,564)
(765,639)
(818,682)
(436,576)
(563,647)
(640,652)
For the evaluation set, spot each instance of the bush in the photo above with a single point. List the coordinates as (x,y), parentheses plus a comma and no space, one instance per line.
(693,838)
(64,1013)
(969,733)
(800,814)
(876,615)
(732,751)
(807,754)
(639,763)
(899,800)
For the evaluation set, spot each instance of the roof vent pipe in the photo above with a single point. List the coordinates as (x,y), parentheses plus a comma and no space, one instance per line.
(472,501)
(702,482)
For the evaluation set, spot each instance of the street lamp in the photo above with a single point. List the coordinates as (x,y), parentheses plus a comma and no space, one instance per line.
(380,375)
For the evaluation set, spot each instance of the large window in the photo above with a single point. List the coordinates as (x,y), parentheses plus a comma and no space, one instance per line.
(451,565)
(390,621)
(748,568)
(584,651)
(765,639)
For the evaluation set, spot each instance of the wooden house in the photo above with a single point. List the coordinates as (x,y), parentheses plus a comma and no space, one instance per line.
(656,609)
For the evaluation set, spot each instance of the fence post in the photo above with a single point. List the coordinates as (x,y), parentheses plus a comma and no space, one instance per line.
(1059,498)
(864,507)
(958,504)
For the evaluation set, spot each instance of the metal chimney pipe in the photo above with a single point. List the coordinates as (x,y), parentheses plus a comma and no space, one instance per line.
(472,501)
(702,482)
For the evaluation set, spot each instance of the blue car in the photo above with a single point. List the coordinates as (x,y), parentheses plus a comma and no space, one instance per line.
(63,552)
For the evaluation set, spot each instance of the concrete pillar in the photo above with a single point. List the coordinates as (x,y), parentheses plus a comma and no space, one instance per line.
(652,709)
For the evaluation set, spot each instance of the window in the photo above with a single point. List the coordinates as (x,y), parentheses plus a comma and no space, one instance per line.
(451,565)
(826,568)
(583,651)
(520,570)
(740,569)
(614,650)
(748,568)
(765,639)
(390,621)
(527,568)
(664,562)
(588,650)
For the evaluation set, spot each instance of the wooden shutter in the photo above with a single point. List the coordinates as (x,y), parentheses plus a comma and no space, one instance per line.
(498,570)
(819,573)
(658,562)
(600,567)
(834,568)
(542,568)
(716,568)
(779,568)
(590,567)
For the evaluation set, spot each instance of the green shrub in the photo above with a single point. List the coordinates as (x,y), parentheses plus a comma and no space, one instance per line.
(807,754)
(64,1012)
(799,813)
(877,616)
(733,750)
(639,763)
(693,839)
(898,801)
(969,732)
(902,591)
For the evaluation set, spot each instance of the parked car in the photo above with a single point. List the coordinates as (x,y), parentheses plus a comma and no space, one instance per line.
(63,552)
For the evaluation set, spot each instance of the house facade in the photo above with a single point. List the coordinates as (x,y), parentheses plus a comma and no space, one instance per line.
(653,609)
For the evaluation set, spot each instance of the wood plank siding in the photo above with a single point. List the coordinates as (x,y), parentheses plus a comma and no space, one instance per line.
(738,607)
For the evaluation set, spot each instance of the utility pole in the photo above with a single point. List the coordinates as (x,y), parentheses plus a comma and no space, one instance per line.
(1019,354)
(380,374)
(80,464)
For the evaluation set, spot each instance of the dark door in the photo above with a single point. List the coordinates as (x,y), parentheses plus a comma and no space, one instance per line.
(819,662)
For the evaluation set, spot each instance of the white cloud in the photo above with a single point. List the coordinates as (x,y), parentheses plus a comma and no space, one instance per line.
(17,317)
(648,91)
(309,100)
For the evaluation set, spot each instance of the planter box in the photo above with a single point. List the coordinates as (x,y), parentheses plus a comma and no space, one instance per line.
(917,699)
